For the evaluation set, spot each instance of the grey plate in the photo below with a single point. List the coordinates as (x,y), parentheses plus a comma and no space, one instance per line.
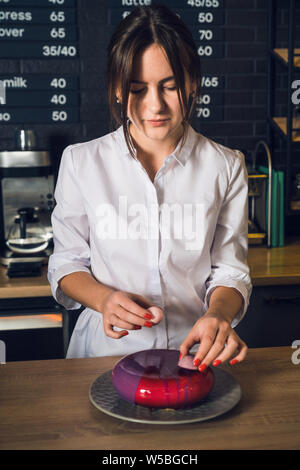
(225,394)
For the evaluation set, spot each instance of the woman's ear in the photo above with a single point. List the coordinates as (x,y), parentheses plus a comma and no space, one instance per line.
(191,86)
(118,96)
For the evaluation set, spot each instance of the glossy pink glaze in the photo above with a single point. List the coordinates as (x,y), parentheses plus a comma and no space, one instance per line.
(187,362)
(152,378)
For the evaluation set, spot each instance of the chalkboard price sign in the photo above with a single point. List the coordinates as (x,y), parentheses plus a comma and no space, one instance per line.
(39,82)
(38,29)
(214,4)
(209,113)
(39,98)
(209,106)
(189,16)
(38,50)
(42,98)
(37,15)
(38,33)
(38,115)
(41,3)
(35,32)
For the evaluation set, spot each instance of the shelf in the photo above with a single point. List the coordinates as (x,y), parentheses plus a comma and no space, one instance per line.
(29,322)
(289,57)
(256,238)
(257,176)
(281,123)
(295,207)
(283,55)
(257,235)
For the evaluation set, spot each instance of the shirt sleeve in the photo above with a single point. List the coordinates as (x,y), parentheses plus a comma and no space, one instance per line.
(230,245)
(71,251)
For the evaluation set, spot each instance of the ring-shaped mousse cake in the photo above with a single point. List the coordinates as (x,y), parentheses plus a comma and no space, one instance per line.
(152,378)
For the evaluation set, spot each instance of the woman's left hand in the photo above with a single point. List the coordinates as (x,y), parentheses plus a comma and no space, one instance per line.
(218,342)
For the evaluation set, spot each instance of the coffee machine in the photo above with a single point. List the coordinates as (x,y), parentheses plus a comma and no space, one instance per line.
(26,204)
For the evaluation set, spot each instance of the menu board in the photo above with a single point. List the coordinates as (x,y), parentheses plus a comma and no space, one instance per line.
(210,105)
(39,99)
(38,29)
(47,30)
(205,20)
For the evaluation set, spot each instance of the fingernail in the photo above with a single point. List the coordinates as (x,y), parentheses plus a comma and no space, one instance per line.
(217,362)
(137,327)
(148,323)
(196,362)
(124,333)
(234,361)
(202,367)
(148,316)
(180,356)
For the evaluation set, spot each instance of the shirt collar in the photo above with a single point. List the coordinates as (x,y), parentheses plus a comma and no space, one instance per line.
(180,155)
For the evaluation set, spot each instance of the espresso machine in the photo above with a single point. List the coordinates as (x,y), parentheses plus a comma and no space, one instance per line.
(26,204)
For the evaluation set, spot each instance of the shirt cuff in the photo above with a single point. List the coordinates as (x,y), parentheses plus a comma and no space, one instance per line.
(55,275)
(239,286)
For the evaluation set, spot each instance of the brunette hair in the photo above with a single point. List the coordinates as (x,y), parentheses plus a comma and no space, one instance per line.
(144,26)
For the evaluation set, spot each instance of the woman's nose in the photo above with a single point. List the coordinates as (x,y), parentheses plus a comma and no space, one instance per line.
(155,100)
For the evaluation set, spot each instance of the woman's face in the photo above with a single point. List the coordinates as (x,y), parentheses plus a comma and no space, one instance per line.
(153,97)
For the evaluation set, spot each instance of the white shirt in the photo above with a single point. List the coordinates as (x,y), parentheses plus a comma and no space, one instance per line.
(172,240)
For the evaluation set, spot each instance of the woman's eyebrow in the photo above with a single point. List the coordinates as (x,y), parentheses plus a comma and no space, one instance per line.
(161,81)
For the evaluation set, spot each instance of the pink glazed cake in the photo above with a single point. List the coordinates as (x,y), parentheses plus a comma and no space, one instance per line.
(153,378)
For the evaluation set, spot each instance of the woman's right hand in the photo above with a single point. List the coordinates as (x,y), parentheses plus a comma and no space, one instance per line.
(129,312)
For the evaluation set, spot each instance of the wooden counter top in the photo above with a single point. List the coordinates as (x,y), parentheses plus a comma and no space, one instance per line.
(45,405)
(268,266)
(275,266)
(24,286)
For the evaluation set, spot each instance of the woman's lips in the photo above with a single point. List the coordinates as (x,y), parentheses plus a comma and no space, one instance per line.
(158,122)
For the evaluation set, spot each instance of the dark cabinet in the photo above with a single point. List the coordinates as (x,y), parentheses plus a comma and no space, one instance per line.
(31,328)
(272,318)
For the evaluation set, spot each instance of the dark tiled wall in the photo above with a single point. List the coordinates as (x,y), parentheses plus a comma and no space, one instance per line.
(244,68)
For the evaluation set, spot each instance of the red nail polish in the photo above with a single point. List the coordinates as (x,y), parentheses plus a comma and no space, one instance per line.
(180,356)
(137,327)
(217,362)
(234,361)
(148,316)
(202,367)
(196,362)
(124,333)
(148,323)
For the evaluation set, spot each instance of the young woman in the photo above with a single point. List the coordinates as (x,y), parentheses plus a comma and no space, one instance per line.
(150,225)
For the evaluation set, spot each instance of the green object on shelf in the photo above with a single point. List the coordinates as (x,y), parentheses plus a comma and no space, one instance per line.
(277,206)
(275,210)
(281,204)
